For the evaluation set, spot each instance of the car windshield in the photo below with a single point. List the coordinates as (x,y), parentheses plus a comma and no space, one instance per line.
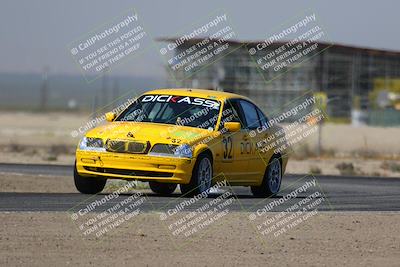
(180,110)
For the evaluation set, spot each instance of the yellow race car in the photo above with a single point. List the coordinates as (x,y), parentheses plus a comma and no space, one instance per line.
(191,137)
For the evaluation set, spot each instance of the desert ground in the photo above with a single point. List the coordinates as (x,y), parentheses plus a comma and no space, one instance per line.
(328,239)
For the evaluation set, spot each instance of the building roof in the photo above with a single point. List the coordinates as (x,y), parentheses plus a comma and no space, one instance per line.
(203,93)
(343,47)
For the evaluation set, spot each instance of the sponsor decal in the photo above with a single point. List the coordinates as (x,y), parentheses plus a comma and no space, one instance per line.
(182,99)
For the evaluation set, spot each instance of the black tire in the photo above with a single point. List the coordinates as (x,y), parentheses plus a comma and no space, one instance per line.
(266,189)
(88,185)
(162,188)
(196,185)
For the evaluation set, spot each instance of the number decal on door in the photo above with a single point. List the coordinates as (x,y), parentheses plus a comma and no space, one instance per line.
(227,142)
(247,148)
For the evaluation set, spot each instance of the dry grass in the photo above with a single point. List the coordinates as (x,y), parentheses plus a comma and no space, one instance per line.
(315,170)
(391,165)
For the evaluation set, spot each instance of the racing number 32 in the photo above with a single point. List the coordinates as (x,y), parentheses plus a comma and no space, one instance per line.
(227,142)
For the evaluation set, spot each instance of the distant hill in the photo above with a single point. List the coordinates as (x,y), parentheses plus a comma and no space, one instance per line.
(23,91)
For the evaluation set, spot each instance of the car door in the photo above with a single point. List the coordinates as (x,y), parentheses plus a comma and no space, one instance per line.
(265,136)
(233,162)
(255,163)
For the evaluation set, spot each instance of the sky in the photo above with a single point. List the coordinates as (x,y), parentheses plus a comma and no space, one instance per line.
(35,34)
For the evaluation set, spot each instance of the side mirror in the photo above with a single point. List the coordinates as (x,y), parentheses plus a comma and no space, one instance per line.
(232,126)
(110,116)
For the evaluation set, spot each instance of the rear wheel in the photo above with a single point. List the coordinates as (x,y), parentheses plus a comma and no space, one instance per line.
(201,177)
(88,185)
(162,188)
(272,179)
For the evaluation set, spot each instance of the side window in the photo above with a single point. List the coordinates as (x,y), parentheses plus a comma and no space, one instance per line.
(230,113)
(263,118)
(250,113)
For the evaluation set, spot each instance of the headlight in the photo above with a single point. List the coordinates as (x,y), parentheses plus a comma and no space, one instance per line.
(92,144)
(166,150)
(183,151)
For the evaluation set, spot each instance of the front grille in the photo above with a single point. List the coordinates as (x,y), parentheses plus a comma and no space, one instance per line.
(127,146)
(129,172)
(115,146)
(134,147)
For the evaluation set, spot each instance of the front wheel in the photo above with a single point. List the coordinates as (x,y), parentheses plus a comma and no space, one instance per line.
(88,185)
(272,179)
(201,177)
(162,188)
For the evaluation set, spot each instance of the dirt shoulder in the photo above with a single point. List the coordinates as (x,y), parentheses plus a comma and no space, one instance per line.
(10,182)
(25,183)
(329,239)
(345,166)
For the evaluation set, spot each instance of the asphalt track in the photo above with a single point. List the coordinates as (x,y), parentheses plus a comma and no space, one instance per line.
(339,193)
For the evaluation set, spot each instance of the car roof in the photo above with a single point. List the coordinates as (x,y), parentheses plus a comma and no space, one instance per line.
(203,93)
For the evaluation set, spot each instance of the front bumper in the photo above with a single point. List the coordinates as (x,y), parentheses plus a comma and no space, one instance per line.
(134,166)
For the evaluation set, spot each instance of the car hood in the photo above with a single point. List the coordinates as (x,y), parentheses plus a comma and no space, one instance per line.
(153,132)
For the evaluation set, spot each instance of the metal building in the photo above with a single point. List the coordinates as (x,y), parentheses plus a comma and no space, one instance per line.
(347,75)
